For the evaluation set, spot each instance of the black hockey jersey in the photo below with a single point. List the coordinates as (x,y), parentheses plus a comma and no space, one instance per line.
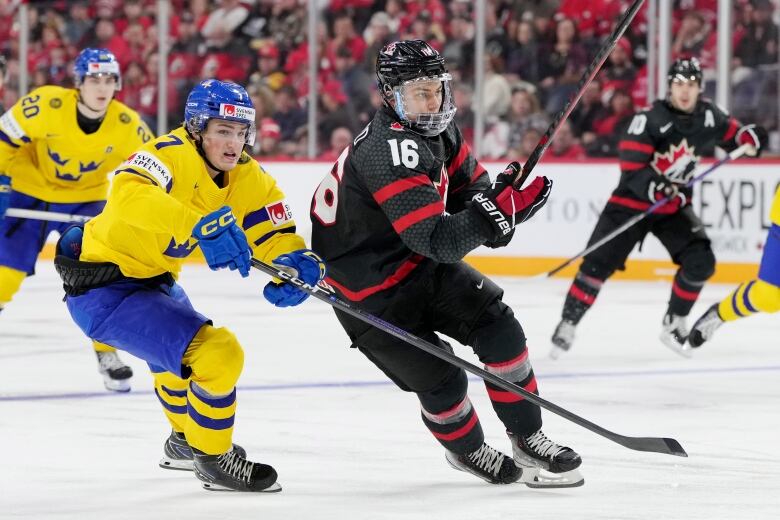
(664,142)
(395,204)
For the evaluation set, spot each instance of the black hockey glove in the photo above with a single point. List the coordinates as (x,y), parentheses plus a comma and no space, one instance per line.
(502,241)
(504,207)
(753,135)
(661,188)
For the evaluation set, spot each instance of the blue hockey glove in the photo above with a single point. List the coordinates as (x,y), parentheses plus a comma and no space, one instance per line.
(304,264)
(223,242)
(5,194)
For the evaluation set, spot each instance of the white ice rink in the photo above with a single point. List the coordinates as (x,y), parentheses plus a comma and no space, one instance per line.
(348,445)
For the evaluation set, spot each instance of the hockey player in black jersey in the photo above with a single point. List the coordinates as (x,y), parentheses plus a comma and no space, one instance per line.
(658,155)
(393,219)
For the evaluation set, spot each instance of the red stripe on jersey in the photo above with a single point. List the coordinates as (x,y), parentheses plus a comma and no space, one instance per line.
(460,432)
(581,295)
(457,161)
(501,396)
(478,171)
(399,186)
(516,361)
(666,209)
(413,217)
(633,146)
(402,272)
(682,293)
(628,166)
(732,129)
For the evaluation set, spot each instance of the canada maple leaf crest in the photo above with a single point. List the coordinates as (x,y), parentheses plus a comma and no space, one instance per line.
(675,162)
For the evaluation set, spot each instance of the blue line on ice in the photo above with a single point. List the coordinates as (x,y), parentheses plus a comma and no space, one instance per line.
(356,384)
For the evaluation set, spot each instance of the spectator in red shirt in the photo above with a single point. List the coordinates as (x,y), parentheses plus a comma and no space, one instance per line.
(106,37)
(344,36)
(566,145)
(339,140)
(133,13)
(269,138)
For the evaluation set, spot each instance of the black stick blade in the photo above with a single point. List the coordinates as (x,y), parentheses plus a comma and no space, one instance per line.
(663,445)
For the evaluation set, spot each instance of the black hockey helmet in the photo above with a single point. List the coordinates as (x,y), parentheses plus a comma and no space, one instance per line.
(685,69)
(403,63)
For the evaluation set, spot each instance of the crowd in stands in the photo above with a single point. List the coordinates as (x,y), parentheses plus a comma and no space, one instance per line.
(536,52)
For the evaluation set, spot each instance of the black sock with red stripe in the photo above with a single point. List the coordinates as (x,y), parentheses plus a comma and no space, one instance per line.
(582,294)
(457,429)
(684,294)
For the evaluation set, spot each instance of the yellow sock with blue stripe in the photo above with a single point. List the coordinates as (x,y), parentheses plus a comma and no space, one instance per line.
(750,298)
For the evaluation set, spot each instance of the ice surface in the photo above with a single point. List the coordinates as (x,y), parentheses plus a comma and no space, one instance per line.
(348,445)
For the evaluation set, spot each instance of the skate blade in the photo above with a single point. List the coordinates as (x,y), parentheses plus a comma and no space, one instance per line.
(683,350)
(537,478)
(181,465)
(273,488)
(116,385)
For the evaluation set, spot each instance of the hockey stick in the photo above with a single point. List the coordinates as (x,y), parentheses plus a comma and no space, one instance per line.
(653,444)
(735,154)
(586,78)
(45,215)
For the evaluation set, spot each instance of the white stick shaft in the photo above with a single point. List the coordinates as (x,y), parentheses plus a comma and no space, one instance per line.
(45,215)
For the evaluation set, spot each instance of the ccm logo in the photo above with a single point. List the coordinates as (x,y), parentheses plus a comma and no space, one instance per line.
(494,212)
(213,225)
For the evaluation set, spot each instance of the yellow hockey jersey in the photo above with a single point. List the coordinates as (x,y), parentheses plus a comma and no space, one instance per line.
(160,193)
(49,157)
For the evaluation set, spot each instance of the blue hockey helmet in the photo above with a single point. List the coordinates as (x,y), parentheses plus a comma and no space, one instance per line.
(215,99)
(96,62)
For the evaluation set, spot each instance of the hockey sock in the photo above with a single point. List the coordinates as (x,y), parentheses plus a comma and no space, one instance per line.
(171,391)
(582,294)
(684,294)
(10,281)
(102,347)
(209,425)
(518,415)
(457,428)
(750,298)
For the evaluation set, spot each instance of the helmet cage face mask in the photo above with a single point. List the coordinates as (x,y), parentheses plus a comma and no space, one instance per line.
(425,123)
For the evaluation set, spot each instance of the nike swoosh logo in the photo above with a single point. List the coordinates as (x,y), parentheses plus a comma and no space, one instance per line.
(480,284)
(666,127)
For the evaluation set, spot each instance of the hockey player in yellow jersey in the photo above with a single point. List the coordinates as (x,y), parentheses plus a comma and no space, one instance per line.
(761,294)
(192,188)
(57,147)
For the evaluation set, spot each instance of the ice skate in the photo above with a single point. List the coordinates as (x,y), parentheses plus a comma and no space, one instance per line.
(545,464)
(674,333)
(486,463)
(178,454)
(562,338)
(232,472)
(705,327)
(116,375)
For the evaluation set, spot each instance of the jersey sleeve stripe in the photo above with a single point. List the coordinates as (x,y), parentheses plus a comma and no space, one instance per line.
(7,140)
(478,171)
(272,233)
(628,166)
(140,174)
(255,217)
(413,217)
(636,147)
(457,161)
(732,129)
(400,274)
(399,186)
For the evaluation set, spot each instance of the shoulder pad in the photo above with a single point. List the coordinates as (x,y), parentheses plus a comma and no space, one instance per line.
(386,147)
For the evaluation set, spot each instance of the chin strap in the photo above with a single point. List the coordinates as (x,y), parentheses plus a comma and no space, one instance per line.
(199,147)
